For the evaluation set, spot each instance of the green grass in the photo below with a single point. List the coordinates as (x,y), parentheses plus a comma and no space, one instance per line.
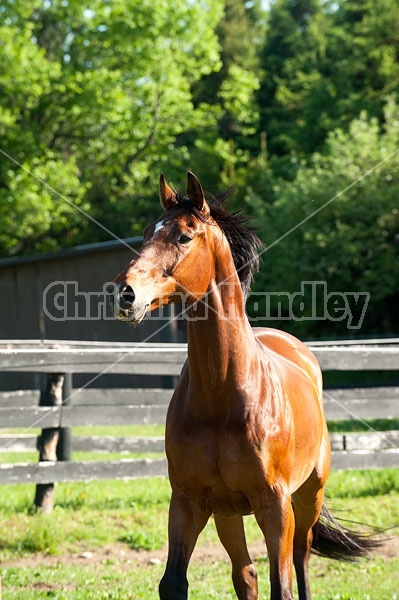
(33,457)
(122,430)
(159,430)
(132,515)
(21,457)
(360,484)
(116,580)
(94,516)
(354,425)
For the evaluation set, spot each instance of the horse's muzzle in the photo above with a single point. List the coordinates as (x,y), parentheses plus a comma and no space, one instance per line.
(124,305)
(125,296)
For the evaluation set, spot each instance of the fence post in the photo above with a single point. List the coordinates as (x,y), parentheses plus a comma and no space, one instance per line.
(65,433)
(51,395)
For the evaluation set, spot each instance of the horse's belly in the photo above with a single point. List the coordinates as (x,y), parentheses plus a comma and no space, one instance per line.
(228,504)
(216,497)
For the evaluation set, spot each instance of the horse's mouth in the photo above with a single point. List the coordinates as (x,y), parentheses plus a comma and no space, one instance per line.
(132,316)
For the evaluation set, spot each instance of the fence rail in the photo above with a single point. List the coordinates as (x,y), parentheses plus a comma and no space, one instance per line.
(90,407)
(151,359)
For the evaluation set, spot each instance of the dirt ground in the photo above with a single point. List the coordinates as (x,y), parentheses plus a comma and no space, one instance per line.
(202,553)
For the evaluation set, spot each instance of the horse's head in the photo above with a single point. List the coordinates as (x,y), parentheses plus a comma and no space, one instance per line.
(175,259)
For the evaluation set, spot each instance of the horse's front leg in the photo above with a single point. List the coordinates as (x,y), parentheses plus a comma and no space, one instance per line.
(186,522)
(275,517)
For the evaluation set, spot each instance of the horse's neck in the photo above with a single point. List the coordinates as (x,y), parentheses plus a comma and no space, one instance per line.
(221,344)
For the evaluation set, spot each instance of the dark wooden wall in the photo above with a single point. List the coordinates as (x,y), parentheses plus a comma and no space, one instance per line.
(23,282)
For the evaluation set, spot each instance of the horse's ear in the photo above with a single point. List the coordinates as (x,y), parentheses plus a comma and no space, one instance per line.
(195,193)
(166,195)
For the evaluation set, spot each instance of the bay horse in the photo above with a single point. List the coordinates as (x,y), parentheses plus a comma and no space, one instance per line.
(245,429)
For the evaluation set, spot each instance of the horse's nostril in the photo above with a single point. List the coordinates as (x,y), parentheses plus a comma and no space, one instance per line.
(126,296)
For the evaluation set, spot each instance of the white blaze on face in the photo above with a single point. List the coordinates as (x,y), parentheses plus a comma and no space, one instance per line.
(158,226)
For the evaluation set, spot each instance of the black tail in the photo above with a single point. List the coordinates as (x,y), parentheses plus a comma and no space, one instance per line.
(332,540)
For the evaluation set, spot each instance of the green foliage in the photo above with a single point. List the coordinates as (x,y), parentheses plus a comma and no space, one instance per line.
(223,139)
(92,101)
(325,62)
(294,105)
(34,216)
(341,210)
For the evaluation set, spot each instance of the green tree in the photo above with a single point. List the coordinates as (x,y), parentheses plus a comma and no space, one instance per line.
(226,135)
(363,56)
(338,222)
(323,63)
(292,89)
(93,97)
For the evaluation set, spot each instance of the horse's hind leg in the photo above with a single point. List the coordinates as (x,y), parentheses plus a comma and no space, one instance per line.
(185,524)
(232,535)
(307,502)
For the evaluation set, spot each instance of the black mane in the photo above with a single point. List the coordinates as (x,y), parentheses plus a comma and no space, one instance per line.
(240,234)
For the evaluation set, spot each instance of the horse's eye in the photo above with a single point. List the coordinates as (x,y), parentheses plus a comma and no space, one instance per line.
(184,239)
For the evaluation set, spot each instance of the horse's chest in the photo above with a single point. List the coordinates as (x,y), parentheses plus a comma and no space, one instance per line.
(209,469)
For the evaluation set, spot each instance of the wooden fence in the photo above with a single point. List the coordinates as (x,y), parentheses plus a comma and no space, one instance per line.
(90,407)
